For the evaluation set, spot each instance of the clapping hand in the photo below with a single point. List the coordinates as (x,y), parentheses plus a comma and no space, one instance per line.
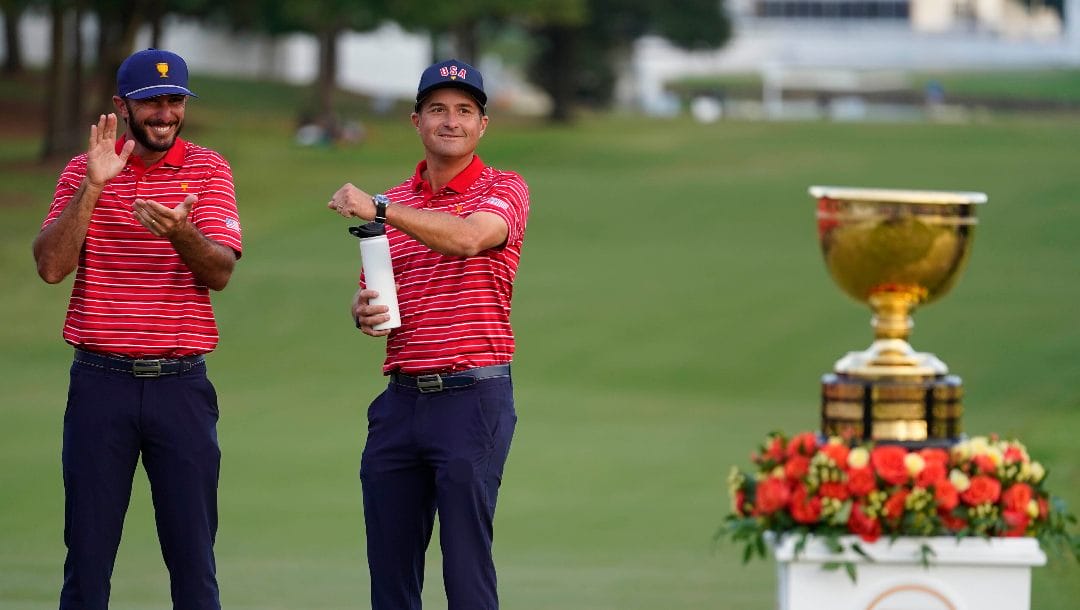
(103,163)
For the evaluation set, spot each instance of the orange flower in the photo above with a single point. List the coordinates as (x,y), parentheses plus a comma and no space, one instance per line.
(1017,497)
(803,509)
(866,528)
(804,443)
(796,467)
(838,491)
(983,489)
(931,474)
(888,462)
(985,463)
(945,495)
(772,495)
(837,452)
(953,523)
(1017,521)
(861,481)
(932,455)
(893,508)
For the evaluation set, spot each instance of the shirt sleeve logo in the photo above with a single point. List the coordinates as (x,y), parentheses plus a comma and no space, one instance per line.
(499,203)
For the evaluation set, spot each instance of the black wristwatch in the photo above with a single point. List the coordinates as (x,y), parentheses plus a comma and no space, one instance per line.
(380,201)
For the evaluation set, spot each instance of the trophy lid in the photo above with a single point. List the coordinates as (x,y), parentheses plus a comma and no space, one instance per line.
(897,195)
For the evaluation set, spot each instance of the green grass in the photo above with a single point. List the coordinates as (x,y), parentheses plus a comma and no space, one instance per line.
(671,309)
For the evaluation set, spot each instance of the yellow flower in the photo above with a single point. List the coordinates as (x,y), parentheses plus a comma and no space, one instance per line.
(858,457)
(961,451)
(1037,472)
(1033,509)
(914,463)
(959,480)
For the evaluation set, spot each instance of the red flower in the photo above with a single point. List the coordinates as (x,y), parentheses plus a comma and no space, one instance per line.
(1017,522)
(888,462)
(1017,497)
(1013,454)
(837,452)
(804,443)
(772,495)
(931,474)
(953,523)
(866,528)
(796,467)
(893,508)
(945,495)
(1044,508)
(983,489)
(803,509)
(833,490)
(860,481)
(932,455)
(985,464)
(740,499)
(775,450)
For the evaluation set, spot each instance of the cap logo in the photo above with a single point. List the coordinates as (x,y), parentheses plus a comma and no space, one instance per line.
(453,72)
(163,69)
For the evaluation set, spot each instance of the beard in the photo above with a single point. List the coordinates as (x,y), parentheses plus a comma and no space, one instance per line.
(142,134)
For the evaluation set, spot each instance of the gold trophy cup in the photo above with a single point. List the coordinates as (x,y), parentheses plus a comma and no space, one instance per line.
(894,250)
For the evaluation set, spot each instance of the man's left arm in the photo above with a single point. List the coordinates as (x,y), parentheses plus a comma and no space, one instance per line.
(212,263)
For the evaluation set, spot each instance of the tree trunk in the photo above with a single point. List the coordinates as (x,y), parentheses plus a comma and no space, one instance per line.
(326,81)
(13,61)
(116,39)
(557,71)
(465,41)
(156,16)
(61,139)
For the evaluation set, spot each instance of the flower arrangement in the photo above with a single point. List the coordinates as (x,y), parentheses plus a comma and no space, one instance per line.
(806,485)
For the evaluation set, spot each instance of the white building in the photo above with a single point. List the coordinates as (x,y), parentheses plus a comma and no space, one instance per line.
(866,35)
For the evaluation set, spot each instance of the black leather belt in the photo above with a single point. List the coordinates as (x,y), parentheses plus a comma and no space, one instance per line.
(437,382)
(139,367)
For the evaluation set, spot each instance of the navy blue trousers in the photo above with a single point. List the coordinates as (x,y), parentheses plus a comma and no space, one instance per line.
(171,421)
(438,452)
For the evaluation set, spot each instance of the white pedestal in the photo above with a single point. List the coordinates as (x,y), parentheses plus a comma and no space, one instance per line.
(969,574)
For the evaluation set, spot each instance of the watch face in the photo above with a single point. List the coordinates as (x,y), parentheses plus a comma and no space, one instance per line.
(381,199)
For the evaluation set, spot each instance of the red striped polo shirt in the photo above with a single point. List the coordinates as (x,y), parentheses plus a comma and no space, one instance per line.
(133,295)
(455,311)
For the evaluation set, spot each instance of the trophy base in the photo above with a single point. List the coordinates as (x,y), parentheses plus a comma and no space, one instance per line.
(912,411)
(886,358)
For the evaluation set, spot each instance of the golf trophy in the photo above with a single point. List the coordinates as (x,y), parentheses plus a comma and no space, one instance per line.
(894,250)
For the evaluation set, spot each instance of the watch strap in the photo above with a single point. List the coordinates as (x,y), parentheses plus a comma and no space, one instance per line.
(380,201)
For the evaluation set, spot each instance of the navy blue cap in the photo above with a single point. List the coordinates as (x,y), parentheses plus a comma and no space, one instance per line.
(150,73)
(452,73)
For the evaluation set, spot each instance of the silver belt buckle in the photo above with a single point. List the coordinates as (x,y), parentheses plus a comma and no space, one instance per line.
(146,368)
(429,383)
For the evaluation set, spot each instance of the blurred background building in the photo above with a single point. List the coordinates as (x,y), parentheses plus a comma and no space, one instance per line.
(797,37)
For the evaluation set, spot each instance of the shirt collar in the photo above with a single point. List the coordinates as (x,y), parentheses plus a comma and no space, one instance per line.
(459,184)
(173,157)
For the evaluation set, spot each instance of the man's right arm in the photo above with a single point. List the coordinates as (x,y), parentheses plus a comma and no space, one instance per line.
(57,246)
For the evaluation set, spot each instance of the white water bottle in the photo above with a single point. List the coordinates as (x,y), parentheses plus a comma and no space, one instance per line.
(378,269)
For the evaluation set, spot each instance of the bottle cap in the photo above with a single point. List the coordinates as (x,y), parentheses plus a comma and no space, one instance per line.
(371,229)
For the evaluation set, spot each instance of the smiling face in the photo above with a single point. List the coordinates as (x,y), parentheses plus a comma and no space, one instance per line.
(154,123)
(450,124)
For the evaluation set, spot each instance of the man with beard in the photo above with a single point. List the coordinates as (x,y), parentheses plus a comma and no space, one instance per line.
(149,225)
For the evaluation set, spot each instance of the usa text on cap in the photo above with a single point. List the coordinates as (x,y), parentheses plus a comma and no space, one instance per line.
(452,73)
